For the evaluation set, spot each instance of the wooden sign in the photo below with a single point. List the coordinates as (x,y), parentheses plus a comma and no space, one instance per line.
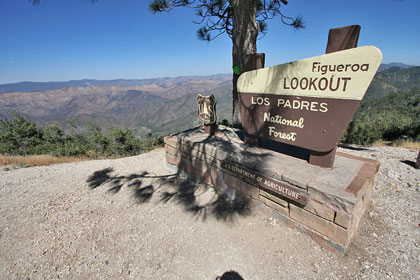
(307,103)
(206,109)
(257,179)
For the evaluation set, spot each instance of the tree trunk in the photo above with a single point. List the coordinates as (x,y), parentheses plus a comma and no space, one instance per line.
(244,41)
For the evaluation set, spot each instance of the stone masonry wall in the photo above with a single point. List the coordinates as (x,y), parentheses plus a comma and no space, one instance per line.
(329,216)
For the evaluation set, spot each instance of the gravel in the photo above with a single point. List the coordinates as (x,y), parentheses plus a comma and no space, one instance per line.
(131,218)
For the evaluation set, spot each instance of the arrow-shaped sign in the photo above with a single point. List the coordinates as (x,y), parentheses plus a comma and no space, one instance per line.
(307,103)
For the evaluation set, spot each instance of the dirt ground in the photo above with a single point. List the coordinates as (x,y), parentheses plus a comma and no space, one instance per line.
(131,218)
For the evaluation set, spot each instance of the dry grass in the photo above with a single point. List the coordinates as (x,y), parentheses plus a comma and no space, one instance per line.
(408,144)
(381,143)
(37,160)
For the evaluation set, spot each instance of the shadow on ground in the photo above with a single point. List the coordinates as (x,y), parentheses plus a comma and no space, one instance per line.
(409,163)
(352,147)
(171,188)
(230,275)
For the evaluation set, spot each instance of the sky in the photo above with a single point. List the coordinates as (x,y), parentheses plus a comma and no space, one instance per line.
(61,40)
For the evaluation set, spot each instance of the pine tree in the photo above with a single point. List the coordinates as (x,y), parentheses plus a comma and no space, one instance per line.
(244,21)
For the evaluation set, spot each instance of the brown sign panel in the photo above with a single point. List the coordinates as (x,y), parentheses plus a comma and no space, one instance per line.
(206,108)
(307,103)
(312,123)
(268,183)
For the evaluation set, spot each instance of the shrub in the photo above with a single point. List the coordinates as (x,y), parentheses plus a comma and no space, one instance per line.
(20,136)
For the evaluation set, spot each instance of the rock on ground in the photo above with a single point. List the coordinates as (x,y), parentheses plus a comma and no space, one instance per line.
(131,219)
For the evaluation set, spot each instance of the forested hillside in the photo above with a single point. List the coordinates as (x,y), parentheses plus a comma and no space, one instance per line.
(390,117)
(393,79)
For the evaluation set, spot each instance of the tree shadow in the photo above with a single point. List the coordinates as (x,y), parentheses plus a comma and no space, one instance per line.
(202,201)
(176,188)
(99,177)
(133,181)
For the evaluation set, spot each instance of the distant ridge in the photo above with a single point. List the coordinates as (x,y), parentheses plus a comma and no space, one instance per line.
(44,86)
(385,66)
(163,82)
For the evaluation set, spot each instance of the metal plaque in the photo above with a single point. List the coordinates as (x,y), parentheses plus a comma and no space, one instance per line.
(283,189)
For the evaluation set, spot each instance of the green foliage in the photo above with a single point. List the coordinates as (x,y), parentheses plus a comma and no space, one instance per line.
(386,118)
(225,122)
(216,16)
(52,134)
(95,139)
(20,136)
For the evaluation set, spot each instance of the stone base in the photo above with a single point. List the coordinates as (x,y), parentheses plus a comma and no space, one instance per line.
(326,203)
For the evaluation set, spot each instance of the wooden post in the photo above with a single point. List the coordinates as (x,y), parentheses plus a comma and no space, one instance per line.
(253,62)
(339,39)
(210,129)
(343,38)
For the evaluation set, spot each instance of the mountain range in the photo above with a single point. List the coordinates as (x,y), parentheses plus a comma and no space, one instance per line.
(166,82)
(393,79)
(385,66)
(159,106)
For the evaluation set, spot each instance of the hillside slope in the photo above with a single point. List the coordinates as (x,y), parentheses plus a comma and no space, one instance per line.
(392,80)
